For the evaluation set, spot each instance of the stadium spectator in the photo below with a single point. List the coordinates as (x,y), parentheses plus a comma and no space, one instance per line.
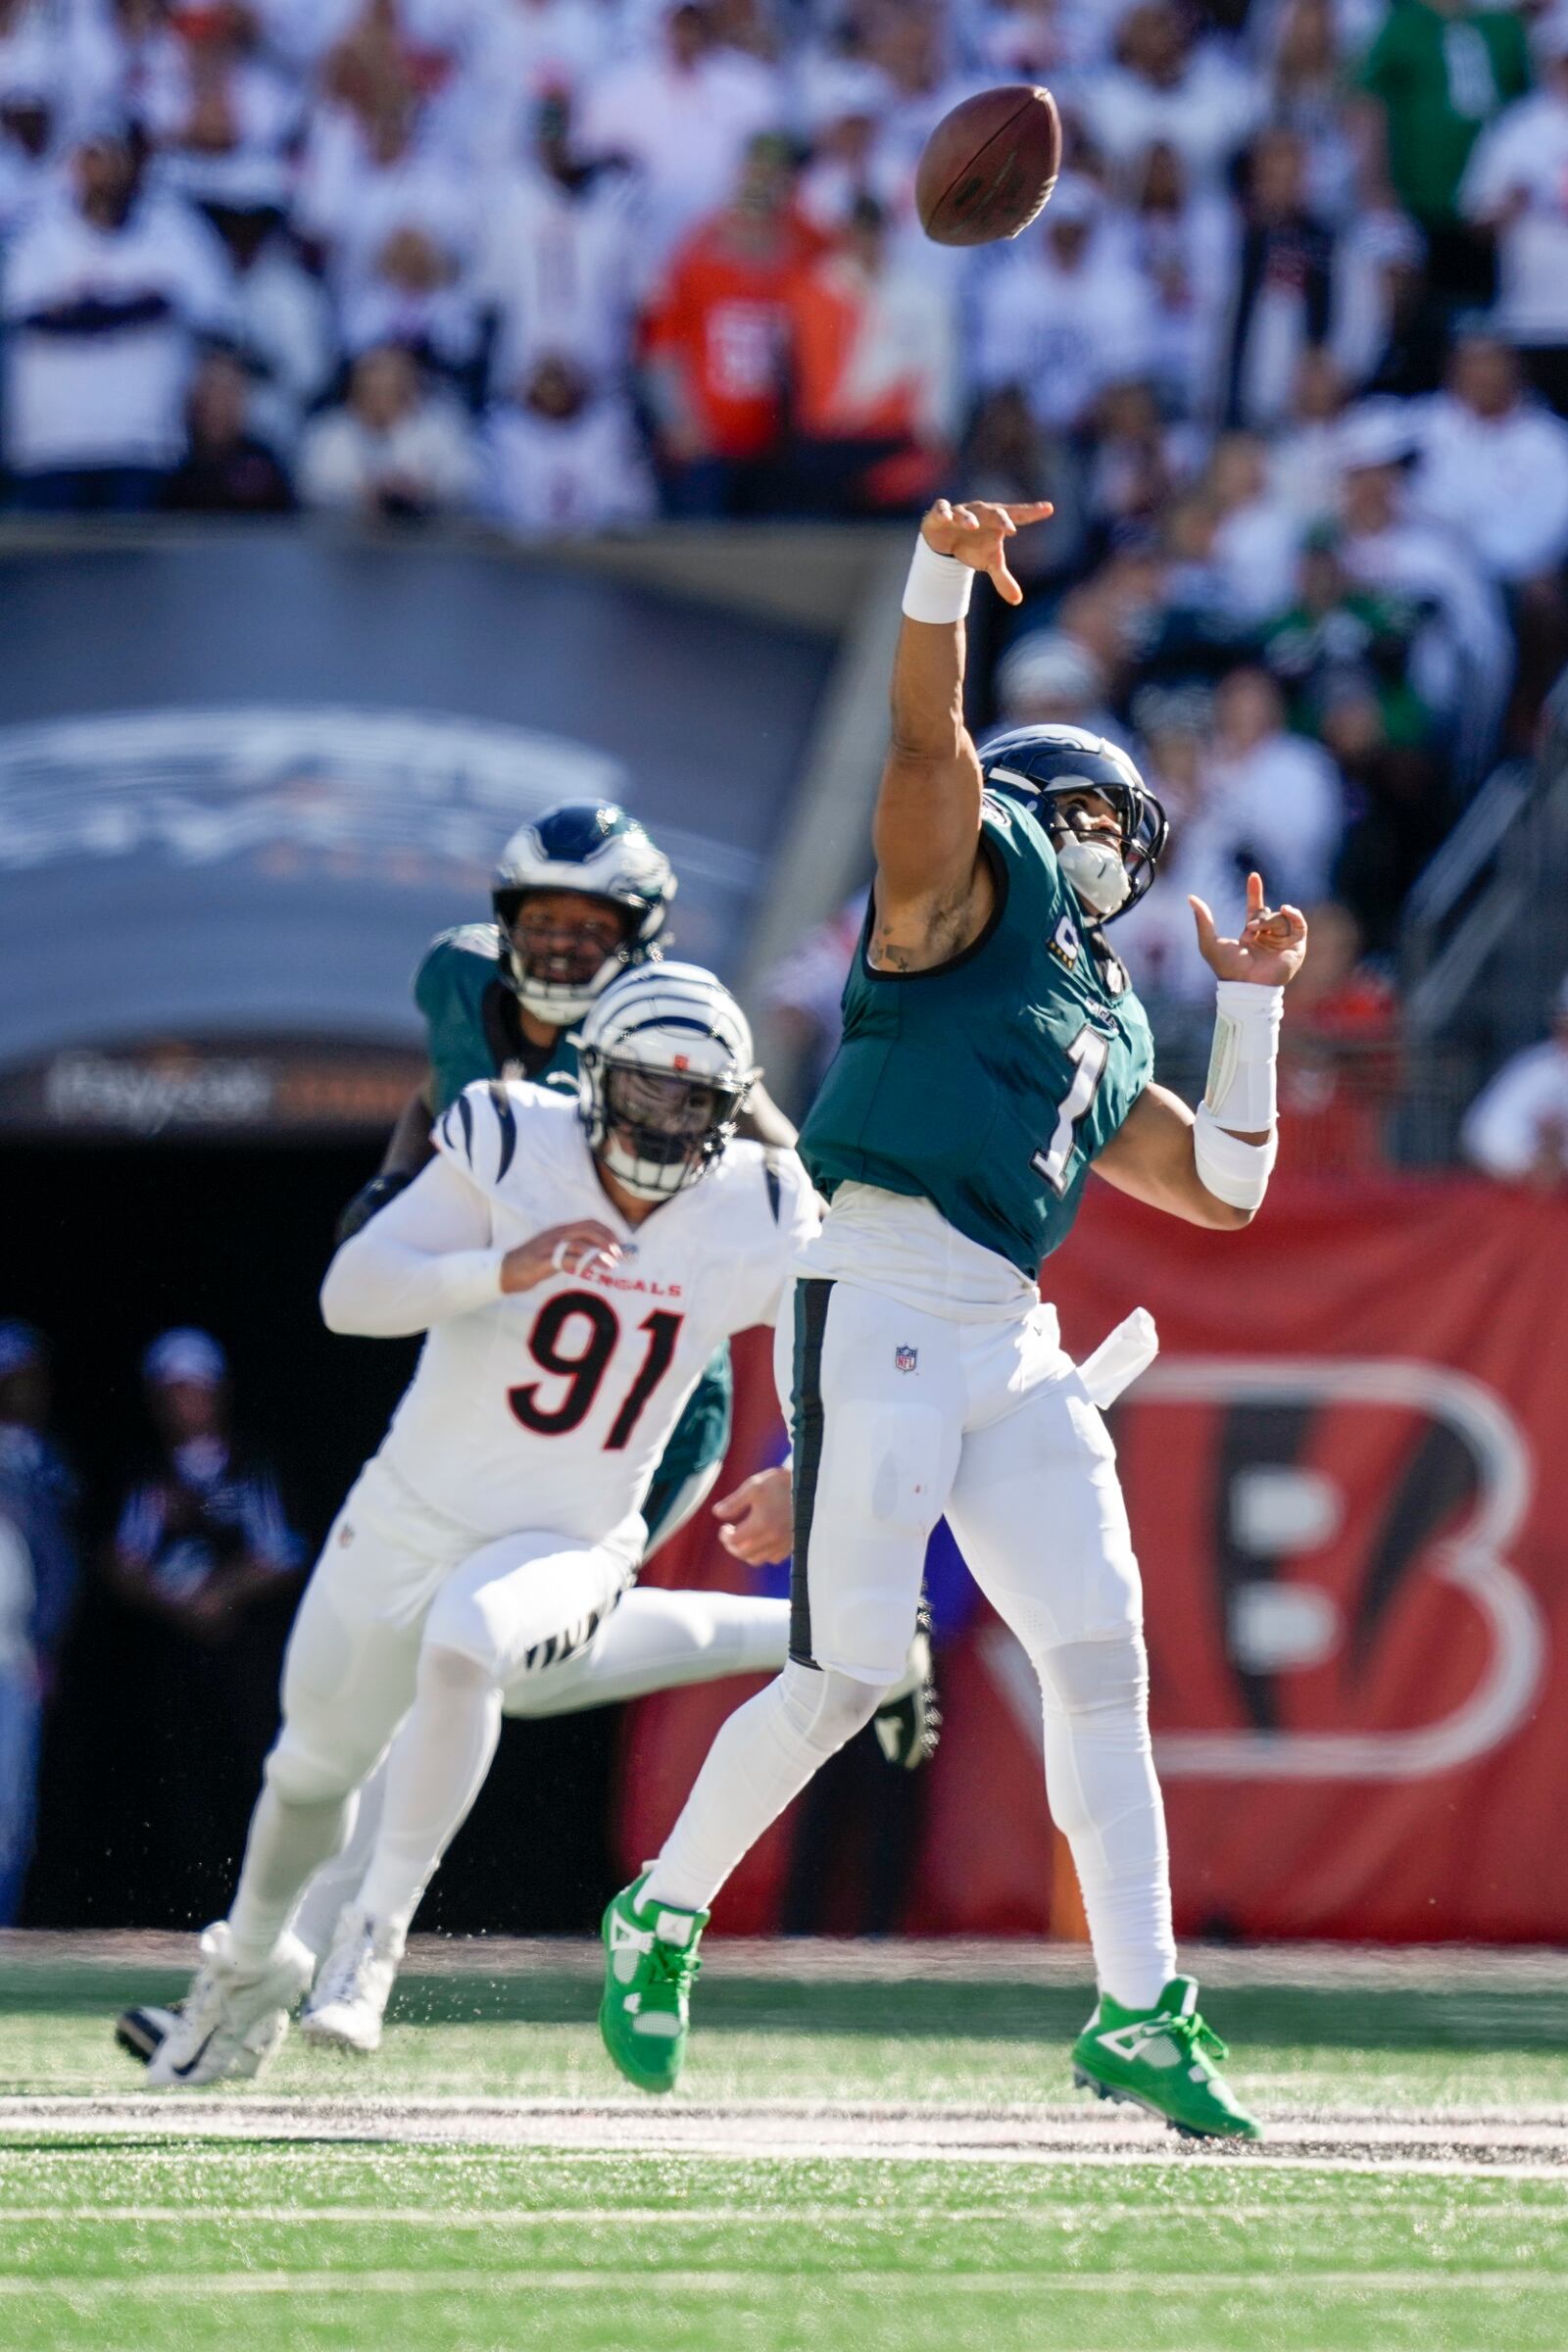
(1138,461)
(717,338)
(529,55)
(399,221)
(564,460)
(558,259)
(1494,466)
(1063,315)
(1517,1127)
(1274,800)
(205,1564)
(283,323)
(1182,243)
(873,346)
(226,469)
(38,1578)
(683,114)
(1168,89)
(107,292)
(223,118)
(1438,73)
(393,451)
(201,1536)
(1256,535)
(1462,662)
(1048,678)
(1285,288)
(1516,186)
(29,113)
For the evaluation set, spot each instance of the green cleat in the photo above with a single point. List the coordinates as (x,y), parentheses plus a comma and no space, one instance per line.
(651,1964)
(1162,2059)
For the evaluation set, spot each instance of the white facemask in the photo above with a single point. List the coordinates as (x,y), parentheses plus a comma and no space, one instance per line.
(1096,873)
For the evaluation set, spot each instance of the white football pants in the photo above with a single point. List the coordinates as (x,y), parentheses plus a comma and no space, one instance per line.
(397,1595)
(900,1417)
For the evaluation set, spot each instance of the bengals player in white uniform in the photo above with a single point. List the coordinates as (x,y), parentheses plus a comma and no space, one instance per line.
(574,1266)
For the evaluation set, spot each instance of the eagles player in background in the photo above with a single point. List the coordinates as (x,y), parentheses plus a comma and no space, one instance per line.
(993,1052)
(581,895)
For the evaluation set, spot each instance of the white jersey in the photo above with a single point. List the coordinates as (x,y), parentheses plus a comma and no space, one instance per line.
(551,1408)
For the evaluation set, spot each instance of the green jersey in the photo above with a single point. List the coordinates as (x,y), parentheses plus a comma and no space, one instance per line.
(471,1020)
(471,1024)
(988,1085)
(1442,78)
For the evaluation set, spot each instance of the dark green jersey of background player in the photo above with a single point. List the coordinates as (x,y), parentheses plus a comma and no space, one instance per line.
(471,1018)
(988,1085)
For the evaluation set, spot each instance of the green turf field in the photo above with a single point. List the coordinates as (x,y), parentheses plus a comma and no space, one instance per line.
(859,2162)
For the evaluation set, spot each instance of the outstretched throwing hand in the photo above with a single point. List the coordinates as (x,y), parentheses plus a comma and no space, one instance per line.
(978,533)
(1272,946)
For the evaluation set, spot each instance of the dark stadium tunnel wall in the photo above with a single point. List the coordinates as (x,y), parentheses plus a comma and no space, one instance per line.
(145,1789)
(241,783)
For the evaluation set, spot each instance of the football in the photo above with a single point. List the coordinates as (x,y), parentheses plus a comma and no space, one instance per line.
(989,165)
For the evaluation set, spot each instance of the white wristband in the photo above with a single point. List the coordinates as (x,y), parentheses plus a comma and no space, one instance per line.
(938,587)
(1240,1068)
(1235,1172)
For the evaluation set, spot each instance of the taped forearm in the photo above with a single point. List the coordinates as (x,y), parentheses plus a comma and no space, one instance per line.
(1239,1100)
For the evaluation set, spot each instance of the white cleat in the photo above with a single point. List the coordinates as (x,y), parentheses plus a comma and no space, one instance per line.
(233,2020)
(349,2002)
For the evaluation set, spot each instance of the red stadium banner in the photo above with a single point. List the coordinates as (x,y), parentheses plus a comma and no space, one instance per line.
(1347,1475)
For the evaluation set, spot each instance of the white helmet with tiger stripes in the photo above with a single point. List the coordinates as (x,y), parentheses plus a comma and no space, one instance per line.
(664,1066)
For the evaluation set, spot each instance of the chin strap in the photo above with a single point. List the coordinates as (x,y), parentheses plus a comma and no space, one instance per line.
(1096,873)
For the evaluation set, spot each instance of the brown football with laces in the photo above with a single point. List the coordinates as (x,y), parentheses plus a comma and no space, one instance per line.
(989,165)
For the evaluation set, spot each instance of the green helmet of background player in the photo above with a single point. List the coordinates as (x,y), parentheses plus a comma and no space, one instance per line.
(595,850)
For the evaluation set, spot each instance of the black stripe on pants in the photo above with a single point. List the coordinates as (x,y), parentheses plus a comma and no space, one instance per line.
(811,1321)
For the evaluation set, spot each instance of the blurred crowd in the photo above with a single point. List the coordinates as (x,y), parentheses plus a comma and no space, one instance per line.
(1288,347)
(192,1544)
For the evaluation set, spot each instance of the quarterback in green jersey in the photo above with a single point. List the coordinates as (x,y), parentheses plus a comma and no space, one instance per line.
(993,1052)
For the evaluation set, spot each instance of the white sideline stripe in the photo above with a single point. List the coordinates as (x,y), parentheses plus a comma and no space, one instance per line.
(688,2217)
(174,2286)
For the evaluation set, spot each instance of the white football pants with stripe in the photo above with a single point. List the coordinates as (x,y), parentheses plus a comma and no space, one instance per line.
(899,1416)
(406,1637)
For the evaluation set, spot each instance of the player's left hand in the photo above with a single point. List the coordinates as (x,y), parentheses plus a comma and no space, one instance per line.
(756,1521)
(1272,946)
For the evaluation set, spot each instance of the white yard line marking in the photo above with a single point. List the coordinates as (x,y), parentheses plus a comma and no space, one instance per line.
(1056,2216)
(1522,2146)
(174,2286)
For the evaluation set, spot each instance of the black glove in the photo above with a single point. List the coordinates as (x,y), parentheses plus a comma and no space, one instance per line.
(372,1197)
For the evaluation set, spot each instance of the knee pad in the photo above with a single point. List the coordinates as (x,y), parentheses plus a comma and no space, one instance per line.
(827,1709)
(1091,1677)
(299,1776)
(453,1673)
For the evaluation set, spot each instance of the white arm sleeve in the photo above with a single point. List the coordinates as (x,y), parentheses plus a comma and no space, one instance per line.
(425,1256)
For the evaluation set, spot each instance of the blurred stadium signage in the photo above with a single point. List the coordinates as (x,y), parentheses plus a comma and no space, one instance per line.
(241,786)
(186,1089)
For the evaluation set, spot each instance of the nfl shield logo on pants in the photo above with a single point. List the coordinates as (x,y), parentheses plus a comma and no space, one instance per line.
(906,1358)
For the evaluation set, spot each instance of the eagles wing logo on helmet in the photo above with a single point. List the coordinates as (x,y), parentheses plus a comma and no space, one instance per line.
(1038,766)
(594,849)
(664,1066)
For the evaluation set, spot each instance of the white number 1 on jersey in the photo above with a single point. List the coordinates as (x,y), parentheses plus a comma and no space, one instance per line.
(1089,1052)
